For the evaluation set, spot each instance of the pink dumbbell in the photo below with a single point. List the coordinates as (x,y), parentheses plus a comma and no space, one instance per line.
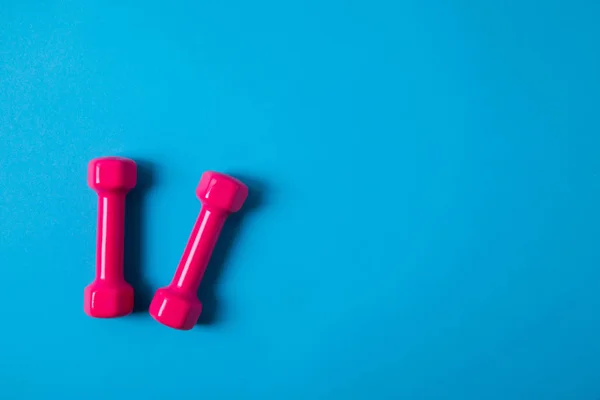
(109,295)
(177,305)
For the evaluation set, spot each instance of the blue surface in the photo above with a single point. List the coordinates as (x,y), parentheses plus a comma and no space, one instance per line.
(425,189)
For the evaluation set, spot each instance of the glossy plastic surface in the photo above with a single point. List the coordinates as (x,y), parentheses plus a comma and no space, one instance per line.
(109,296)
(177,305)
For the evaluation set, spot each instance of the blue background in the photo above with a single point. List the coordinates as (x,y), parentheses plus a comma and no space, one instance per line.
(423,222)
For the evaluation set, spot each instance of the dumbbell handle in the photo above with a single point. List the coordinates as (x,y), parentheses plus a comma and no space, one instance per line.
(110,236)
(198,249)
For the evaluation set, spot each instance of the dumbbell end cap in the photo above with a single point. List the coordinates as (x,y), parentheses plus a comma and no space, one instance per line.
(175,309)
(221,191)
(108,300)
(112,174)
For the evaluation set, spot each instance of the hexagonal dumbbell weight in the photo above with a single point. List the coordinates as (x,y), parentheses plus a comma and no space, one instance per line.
(109,295)
(177,305)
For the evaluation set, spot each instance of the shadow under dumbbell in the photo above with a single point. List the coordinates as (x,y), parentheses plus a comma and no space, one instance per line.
(134,236)
(207,293)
